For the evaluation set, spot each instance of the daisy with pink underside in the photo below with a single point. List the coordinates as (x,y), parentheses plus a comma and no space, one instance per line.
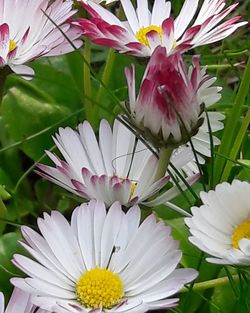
(101,262)
(27,32)
(171,99)
(144,30)
(117,167)
(19,303)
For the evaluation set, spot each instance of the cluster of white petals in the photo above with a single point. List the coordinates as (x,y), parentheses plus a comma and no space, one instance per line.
(31,29)
(111,241)
(117,167)
(144,30)
(108,258)
(221,226)
(20,302)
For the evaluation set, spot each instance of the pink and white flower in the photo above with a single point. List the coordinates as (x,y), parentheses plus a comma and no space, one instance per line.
(108,250)
(26,33)
(118,167)
(19,303)
(170,102)
(143,30)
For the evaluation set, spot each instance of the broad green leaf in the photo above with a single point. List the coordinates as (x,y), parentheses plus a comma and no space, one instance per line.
(53,83)
(8,247)
(4,195)
(24,116)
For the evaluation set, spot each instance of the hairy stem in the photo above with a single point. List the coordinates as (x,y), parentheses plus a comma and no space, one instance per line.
(211,283)
(87,81)
(164,158)
(106,76)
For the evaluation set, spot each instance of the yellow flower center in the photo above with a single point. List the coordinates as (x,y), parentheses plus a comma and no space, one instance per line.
(142,32)
(241,231)
(99,287)
(12,45)
(132,189)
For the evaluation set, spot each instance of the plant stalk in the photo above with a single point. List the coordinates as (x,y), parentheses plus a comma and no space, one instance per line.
(164,158)
(87,81)
(236,147)
(3,212)
(210,283)
(106,74)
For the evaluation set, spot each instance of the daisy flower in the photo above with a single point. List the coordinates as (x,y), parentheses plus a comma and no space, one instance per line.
(221,226)
(101,261)
(144,30)
(171,99)
(19,303)
(118,167)
(107,2)
(27,32)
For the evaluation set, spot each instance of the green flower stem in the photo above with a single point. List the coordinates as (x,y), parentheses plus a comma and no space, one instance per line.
(107,73)
(3,212)
(236,147)
(211,283)
(230,131)
(87,81)
(221,66)
(164,158)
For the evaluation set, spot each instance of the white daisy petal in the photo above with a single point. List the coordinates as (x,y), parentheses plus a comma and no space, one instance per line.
(20,302)
(186,15)
(28,32)
(221,227)
(1,303)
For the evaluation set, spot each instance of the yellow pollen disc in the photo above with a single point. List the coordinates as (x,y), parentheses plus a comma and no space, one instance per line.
(142,32)
(99,288)
(12,45)
(241,231)
(132,190)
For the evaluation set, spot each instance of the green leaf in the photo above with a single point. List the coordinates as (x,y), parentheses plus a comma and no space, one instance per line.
(232,125)
(24,116)
(225,298)
(54,82)
(8,247)
(4,195)
(244,174)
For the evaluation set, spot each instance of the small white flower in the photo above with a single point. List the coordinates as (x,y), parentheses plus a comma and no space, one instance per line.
(26,33)
(19,303)
(144,30)
(221,226)
(118,167)
(102,261)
